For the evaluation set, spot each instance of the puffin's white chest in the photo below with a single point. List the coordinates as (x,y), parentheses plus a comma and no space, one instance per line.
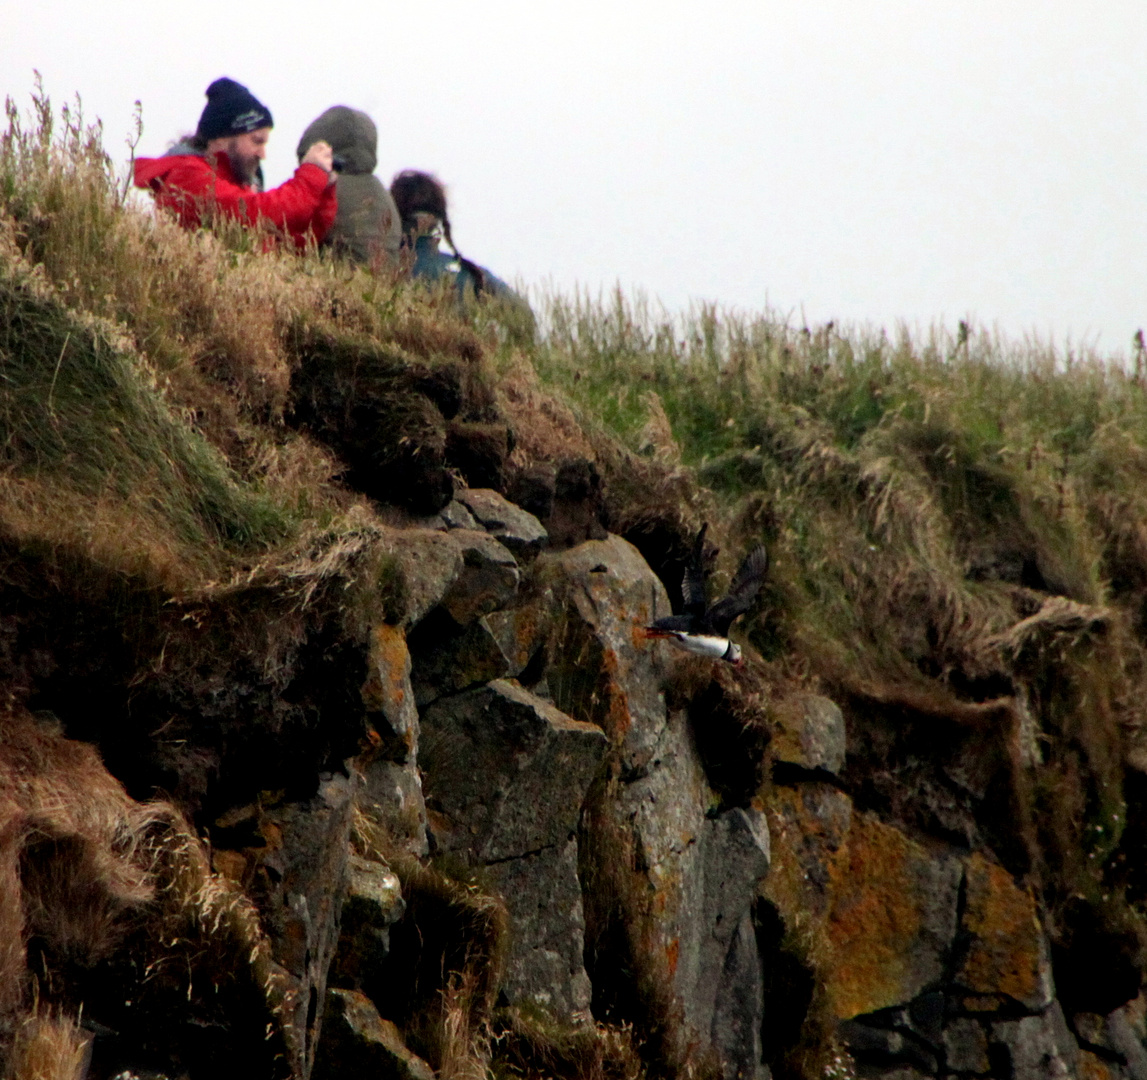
(712,648)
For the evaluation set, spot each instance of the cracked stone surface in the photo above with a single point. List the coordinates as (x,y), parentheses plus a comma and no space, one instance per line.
(465,571)
(1038,1047)
(695,874)
(359,1042)
(512,526)
(506,774)
(810,733)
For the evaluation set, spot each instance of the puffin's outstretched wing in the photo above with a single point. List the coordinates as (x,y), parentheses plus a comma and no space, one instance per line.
(742,592)
(693,583)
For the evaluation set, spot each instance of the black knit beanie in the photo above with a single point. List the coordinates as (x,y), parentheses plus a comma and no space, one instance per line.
(231,109)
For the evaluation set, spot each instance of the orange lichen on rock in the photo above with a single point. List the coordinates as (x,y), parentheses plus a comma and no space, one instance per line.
(388,666)
(1007,954)
(808,828)
(1093,1067)
(616,719)
(873,921)
(892,919)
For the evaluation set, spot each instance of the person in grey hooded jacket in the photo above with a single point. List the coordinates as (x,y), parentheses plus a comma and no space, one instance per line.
(367,227)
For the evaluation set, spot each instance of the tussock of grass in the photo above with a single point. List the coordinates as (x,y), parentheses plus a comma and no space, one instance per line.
(531,1046)
(49,1047)
(80,414)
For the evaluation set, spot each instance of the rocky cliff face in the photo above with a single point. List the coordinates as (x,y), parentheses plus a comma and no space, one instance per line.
(507,808)
(330,745)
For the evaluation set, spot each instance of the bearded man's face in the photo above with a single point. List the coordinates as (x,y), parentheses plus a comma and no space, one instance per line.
(245,152)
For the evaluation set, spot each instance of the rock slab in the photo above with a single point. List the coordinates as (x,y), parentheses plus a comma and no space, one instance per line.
(358,1042)
(506,774)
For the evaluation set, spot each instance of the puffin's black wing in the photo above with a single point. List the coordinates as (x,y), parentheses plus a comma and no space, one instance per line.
(693,583)
(684,623)
(742,593)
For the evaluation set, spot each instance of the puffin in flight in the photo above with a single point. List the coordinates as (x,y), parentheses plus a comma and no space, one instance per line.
(701,628)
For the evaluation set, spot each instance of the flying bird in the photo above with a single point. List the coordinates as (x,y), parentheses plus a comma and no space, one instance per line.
(703,629)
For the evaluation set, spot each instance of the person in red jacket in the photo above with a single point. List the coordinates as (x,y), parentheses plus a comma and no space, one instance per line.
(218,171)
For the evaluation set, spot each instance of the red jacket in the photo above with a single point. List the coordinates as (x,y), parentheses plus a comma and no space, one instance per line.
(193,185)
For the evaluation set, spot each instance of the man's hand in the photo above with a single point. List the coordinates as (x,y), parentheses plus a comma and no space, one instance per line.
(320,154)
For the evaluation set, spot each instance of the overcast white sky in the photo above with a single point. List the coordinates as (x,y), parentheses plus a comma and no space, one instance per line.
(876,162)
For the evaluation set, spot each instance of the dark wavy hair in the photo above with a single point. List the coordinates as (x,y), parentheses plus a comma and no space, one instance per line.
(415,193)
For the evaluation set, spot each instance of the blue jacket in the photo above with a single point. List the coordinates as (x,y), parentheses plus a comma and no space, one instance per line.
(433,264)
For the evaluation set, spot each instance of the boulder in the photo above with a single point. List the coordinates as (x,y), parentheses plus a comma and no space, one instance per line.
(699,876)
(1038,1047)
(809,734)
(1008,952)
(372,906)
(358,1042)
(450,658)
(465,570)
(600,668)
(510,525)
(892,920)
(391,794)
(884,906)
(545,965)
(809,825)
(427,563)
(735,1031)
(299,891)
(391,788)
(1093,1066)
(1112,1046)
(686,878)
(489,577)
(506,774)
(966,1046)
(387,692)
(521,632)
(1121,1037)
(736,858)
(455,516)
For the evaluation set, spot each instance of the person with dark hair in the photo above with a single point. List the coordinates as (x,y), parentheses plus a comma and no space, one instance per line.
(218,172)
(421,201)
(367,227)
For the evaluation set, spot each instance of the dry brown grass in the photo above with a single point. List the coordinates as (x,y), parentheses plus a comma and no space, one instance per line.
(73,836)
(534,1047)
(545,427)
(49,1047)
(91,878)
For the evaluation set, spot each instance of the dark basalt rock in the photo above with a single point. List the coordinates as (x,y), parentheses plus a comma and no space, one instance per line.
(373,905)
(358,1042)
(510,525)
(506,774)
